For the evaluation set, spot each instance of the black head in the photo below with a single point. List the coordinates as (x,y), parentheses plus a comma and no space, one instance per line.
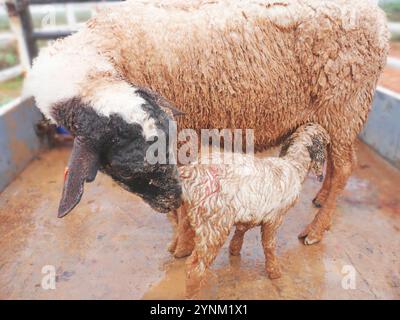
(118,148)
(316,139)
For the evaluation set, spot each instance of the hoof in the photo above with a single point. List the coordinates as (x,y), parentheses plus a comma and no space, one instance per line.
(182,253)
(274,273)
(308,241)
(234,252)
(317,203)
(310,236)
(172,247)
(234,249)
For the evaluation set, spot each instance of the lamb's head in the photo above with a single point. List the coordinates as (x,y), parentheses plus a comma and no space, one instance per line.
(315,139)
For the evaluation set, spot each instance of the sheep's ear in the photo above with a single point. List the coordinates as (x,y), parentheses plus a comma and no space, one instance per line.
(175,112)
(162,102)
(82,167)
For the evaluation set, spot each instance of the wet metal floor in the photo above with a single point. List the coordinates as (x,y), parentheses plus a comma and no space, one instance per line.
(114,246)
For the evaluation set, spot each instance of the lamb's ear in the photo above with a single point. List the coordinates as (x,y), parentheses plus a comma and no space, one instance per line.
(163,103)
(82,167)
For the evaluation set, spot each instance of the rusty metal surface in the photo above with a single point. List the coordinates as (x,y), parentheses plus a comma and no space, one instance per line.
(382,131)
(18,140)
(114,246)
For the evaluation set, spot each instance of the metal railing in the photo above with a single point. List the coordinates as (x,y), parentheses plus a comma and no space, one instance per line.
(26,36)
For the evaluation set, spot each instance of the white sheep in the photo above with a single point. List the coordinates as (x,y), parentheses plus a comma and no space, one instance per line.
(265,65)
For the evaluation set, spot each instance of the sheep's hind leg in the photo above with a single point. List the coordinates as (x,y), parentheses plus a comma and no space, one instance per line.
(237,240)
(268,238)
(342,162)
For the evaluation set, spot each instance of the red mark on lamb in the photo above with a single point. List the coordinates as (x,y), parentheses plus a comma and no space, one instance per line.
(66,170)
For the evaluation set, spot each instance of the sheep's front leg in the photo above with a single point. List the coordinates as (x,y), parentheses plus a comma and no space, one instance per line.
(342,160)
(237,240)
(174,242)
(268,236)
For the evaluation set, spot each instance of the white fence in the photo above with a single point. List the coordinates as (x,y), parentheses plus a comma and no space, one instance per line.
(49,24)
(6,39)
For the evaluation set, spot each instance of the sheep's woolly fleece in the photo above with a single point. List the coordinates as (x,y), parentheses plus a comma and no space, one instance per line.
(314,59)
(265,65)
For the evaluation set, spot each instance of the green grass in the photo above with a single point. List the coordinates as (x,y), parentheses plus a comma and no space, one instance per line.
(10,90)
(4,25)
(393,10)
(8,56)
(395,38)
(82,16)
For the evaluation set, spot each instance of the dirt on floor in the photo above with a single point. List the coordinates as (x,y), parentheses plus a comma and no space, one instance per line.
(113,246)
(395,49)
(391,76)
(390,79)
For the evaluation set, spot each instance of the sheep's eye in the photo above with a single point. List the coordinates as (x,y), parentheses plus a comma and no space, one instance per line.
(125,175)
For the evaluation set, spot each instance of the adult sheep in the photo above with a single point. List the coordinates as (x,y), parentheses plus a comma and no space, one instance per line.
(267,65)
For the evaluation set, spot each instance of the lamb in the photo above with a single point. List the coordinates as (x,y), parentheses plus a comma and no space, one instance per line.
(267,65)
(247,192)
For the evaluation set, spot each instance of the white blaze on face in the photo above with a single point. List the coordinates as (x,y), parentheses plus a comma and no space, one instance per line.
(61,73)
(121,98)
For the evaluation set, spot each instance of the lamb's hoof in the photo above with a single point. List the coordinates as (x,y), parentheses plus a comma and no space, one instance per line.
(310,235)
(274,273)
(182,253)
(234,251)
(172,247)
(317,202)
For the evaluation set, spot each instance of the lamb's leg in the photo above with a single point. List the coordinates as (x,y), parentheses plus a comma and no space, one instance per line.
(204,254)
(342,162)
(198,263)
(268,236)
(208,241)
(237,239)
(320,199)
(185,234)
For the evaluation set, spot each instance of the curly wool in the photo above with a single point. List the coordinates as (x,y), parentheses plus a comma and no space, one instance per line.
(266,65)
